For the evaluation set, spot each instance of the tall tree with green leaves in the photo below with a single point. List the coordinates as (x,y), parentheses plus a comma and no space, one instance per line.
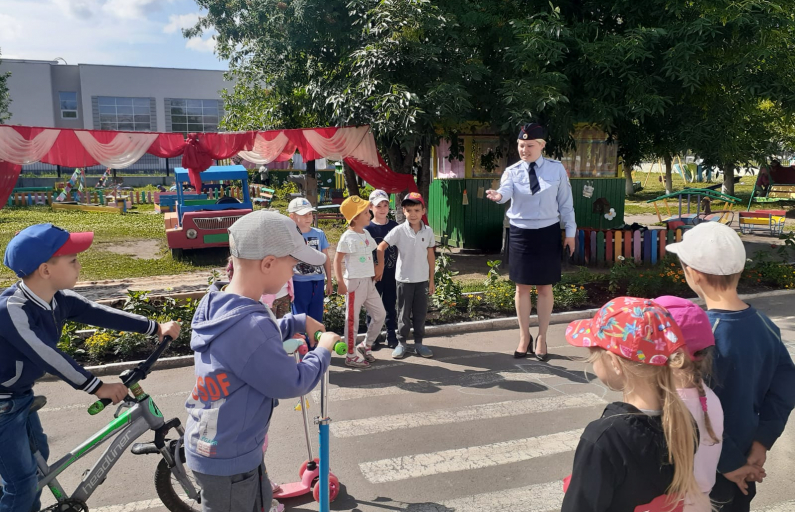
(5,98)
(394,64)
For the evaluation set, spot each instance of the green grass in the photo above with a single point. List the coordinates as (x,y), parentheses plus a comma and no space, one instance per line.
(98,263)
(636,203)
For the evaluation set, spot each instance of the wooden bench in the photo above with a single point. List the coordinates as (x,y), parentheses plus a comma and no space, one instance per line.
(262,196)
(770,221)
(329,212)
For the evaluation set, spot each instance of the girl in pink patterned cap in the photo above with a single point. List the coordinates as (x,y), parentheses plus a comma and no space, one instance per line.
(702,402)
(639,454)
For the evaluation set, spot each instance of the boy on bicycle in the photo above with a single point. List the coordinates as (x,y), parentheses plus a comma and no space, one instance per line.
(32,314)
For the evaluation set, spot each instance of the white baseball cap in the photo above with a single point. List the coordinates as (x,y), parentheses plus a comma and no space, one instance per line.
(262,233)
(300,206)
(378,196)
(712,248)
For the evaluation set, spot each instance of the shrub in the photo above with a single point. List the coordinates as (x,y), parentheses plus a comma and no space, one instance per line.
(448,297)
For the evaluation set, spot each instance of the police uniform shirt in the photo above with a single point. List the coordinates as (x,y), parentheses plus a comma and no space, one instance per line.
(552,203)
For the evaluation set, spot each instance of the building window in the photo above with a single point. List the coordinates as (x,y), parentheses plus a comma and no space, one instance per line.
(68,102)
(194,115)
(125,114)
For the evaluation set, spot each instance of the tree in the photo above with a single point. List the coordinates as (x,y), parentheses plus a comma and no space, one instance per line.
(660,77)
(394,64)
(5,99)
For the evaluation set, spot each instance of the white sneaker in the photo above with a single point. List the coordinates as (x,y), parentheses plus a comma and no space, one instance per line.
(356,361)
(365,351)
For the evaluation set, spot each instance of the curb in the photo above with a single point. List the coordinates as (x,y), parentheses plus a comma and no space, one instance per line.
(495,324)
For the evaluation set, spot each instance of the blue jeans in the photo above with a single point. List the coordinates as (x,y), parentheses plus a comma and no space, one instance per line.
(308,298)
(18,427)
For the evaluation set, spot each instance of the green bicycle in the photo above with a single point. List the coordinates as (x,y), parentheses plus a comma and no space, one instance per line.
(135,416)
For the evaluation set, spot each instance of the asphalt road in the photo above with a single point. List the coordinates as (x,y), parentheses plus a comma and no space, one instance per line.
(470,430)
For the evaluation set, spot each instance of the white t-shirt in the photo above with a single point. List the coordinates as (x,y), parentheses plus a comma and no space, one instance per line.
(412,264)
(708,453)
(358,249)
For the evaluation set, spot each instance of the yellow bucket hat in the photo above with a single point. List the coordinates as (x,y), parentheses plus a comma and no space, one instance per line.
(353,206)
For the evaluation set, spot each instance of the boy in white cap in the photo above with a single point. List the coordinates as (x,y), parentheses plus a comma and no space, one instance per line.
(309,280)
(754,376)
(241,368)
(379,227)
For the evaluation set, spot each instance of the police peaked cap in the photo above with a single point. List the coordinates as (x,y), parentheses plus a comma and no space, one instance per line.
(531,131)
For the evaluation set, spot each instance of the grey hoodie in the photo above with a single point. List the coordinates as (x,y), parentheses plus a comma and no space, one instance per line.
(241,372)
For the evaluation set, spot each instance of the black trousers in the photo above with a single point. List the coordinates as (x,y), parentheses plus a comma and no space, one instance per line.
(412,300)
(729,498)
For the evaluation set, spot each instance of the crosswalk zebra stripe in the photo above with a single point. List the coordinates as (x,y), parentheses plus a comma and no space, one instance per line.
(378,424)
(468,379)
(534,498)
(473,457)
(787,506)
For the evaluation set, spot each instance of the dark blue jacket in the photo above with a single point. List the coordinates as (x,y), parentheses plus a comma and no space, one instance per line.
(754,377)
(30,330)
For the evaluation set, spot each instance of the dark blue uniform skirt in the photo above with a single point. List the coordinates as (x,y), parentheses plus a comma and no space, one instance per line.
(534,255)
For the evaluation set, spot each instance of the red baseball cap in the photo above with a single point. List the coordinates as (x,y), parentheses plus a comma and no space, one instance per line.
(692,321)
(636,329)
(77,243)
(413,198)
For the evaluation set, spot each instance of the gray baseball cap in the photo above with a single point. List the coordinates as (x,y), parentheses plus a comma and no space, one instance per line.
(261,233)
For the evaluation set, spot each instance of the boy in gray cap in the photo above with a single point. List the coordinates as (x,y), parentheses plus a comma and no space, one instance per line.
(241,368)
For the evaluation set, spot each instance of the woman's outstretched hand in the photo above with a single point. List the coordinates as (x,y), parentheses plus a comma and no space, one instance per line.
(494,195)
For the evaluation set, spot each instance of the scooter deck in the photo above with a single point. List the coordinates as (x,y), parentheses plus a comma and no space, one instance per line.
(292,490)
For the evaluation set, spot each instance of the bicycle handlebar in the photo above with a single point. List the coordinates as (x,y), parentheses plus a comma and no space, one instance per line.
(130,378)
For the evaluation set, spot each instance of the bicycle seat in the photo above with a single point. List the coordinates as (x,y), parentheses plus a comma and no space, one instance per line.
(38,403)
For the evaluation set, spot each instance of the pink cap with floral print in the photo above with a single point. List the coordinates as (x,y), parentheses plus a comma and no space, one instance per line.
(636,329)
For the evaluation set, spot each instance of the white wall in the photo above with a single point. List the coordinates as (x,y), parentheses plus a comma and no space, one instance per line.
(30,88)
(159,83)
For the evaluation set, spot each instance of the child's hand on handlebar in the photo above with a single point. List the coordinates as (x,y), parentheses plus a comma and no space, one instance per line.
(168,329)
(328,340)
(113,392)
(312,326)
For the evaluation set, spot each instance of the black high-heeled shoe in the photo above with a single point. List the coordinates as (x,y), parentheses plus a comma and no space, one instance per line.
(542,357)
(522,355)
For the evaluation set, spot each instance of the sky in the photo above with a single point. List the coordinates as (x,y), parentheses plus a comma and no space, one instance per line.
(121,32)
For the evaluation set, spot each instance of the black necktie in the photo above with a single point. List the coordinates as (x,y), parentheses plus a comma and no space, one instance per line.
(534,186)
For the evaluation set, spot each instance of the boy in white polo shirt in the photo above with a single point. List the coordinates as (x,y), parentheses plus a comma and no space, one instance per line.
(416,265)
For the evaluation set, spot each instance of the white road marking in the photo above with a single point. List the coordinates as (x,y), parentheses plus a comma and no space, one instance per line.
(534,498)
(546,497)
(378,424)
(787,506)
(473,457)
(469,379)
(131,507)
(87,405)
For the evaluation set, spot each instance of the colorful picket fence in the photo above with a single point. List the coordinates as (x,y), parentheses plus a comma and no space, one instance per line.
(30,198)
(604,247)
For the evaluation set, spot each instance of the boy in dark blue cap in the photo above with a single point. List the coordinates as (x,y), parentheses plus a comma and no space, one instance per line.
(32,314)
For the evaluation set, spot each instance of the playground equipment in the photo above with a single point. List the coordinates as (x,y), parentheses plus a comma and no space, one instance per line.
(75,196)
(774,184)
(767,221)
(200,223)
(702,196)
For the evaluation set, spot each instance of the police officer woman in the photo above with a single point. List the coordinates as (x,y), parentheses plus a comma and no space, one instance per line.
(541,200)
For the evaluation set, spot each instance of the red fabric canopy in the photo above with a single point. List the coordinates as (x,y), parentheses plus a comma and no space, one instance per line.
(23,145)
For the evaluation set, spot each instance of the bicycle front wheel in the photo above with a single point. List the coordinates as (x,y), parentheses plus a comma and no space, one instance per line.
(170,491)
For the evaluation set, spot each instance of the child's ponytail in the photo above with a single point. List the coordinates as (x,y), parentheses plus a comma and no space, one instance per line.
(680,432)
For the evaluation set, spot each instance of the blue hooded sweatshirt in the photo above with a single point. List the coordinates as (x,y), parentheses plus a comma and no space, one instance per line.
(241,372)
